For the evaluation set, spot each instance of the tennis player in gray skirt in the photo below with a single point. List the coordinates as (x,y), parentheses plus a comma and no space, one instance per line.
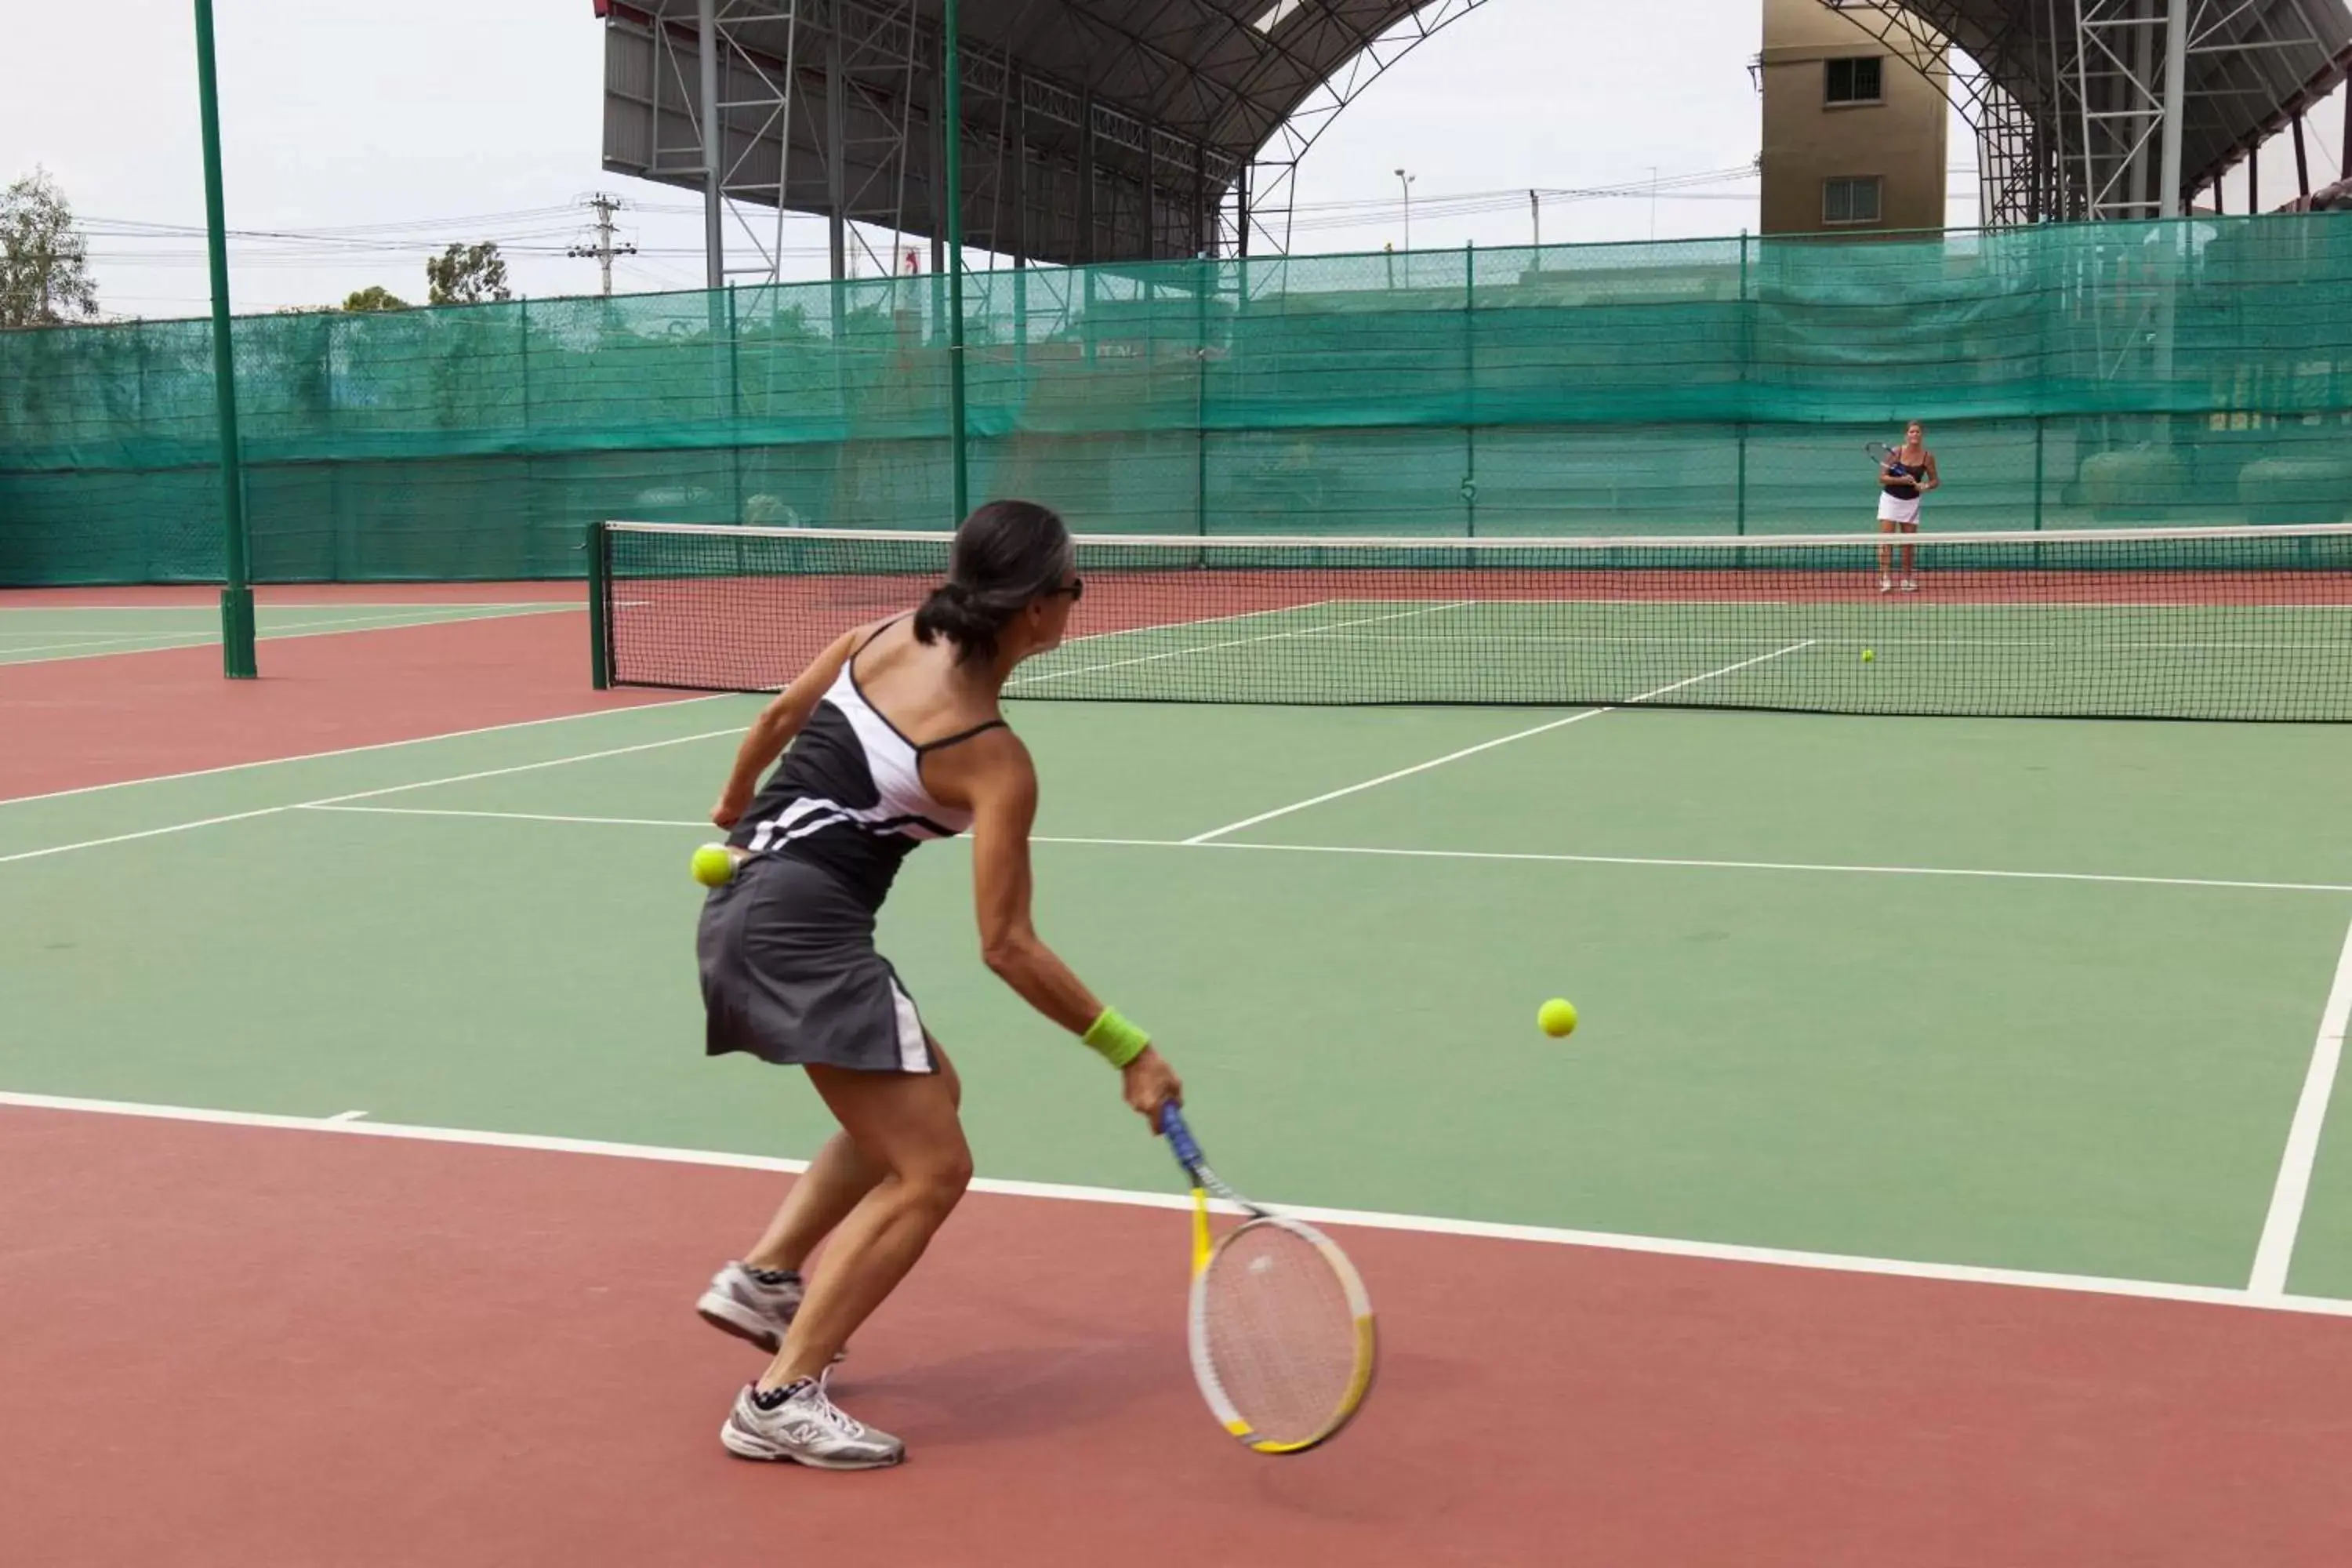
(896,737)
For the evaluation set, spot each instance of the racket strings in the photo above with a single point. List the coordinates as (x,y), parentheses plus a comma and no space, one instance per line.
(1281,1332)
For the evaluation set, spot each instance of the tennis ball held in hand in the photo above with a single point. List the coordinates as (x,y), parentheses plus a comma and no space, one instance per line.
(1557,1018)
(713,866)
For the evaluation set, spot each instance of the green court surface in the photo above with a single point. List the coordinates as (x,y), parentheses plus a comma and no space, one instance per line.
(34,636)
(2025,995)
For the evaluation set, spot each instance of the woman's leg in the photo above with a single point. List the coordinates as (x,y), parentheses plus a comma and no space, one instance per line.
(1910,531)
(824,1194)
(1886,557)
(906,1126)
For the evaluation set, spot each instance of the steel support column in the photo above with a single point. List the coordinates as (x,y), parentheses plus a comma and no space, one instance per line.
(714,136)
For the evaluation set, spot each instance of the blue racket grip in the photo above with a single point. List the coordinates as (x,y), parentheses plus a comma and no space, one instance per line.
(1180,1137)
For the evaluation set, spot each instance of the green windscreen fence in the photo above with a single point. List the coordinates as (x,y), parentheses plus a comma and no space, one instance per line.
(2190,373)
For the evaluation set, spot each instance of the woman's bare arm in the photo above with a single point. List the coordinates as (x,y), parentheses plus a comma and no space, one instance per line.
(999,782)
(778,723)
(993,776)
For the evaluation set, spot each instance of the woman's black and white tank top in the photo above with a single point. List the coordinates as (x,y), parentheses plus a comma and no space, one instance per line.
(1907,487)
(849,793)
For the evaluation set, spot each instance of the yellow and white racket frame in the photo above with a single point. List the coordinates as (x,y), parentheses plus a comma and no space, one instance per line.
(1204,1372)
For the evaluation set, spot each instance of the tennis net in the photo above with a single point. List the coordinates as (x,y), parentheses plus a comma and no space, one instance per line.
(2218,622)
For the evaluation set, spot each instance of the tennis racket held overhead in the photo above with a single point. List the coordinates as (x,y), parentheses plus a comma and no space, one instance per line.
(1279,1326)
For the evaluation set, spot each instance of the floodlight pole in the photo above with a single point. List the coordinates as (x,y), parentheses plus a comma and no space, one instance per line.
(952,67)
(237,661)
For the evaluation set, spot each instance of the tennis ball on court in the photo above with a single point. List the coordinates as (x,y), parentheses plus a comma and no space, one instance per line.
(1556,1018)
(1868,655)
(713,866)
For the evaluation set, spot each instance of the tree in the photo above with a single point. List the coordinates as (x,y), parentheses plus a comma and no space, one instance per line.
(374,297)
(44,261)
(467,275)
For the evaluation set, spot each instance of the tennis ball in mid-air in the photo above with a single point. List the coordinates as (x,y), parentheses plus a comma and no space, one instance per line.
(1868,655)
(713,866)
(1556,1018)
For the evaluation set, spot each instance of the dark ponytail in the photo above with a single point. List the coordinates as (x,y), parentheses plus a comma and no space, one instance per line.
(1006,555)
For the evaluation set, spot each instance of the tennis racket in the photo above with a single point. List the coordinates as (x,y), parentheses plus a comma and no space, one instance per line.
(1886,457)
(1279,1327)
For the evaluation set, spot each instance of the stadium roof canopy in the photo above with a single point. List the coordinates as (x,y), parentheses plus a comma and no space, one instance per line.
(2069,97)
(1121,130)
(1094,129)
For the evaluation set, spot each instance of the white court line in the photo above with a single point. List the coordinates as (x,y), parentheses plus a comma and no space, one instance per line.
(1216,833)
(2275,1254)
(1719,865)
(214,610)
(1841,636)
(143,833)
(1926,602)
(514,816)
(1200,621)
(168,642)
(371,746)
(1424,1225)
(1831,868)
(1233,642)
(347,1116)
(366,794)
(732,730)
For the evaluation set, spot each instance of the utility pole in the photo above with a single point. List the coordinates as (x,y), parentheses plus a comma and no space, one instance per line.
(1535,205)
(605,249)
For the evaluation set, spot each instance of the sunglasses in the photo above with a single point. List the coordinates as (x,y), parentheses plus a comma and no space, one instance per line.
(1077,590)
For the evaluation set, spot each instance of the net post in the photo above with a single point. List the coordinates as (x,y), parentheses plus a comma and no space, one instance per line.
(237,657)
(599,607)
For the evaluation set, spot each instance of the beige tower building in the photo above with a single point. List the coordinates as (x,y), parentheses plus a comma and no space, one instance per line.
(1854,137)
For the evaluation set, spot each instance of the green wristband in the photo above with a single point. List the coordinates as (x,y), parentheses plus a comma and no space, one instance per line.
(1118,1041)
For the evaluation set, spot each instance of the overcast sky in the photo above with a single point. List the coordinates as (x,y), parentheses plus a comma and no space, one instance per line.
(441,124)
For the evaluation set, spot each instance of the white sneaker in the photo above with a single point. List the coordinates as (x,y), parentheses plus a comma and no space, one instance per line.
(807,1428)
(1887,584)
(1909,586)
(738,1303)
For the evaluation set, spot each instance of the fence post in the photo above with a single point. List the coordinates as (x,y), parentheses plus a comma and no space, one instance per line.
(522,331)
(2039,422)
(1470,388)
(1204,273)
(1747,355)
(734,403)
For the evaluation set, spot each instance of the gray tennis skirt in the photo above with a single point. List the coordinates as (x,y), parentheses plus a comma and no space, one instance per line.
(790,975)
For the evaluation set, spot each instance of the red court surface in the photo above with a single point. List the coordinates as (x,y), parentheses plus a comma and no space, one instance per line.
(75,722)
(242,1346)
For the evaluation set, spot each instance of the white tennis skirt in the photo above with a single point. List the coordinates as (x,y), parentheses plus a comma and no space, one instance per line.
(1893,508)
